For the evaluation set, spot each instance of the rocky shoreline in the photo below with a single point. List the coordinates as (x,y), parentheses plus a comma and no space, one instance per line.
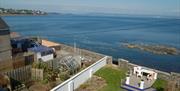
(155,49)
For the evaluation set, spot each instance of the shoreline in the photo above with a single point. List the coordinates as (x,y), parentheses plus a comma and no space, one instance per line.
(23,14)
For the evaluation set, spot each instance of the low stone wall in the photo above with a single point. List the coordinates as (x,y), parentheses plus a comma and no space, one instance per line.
(82,52)
(109,60)
(86,53)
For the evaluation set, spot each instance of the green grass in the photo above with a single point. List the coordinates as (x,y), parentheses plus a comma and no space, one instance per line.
(160,84)
(112,76)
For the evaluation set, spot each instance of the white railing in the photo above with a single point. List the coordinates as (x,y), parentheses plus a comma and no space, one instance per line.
(74,82)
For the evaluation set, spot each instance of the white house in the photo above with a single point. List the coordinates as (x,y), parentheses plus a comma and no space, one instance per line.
(42,53)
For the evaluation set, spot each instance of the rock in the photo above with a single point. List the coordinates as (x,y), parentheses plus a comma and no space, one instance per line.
(156,49)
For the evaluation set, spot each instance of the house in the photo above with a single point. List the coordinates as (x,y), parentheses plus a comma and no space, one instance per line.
(21,44)
(5,46)
(51,44)
(42,53)
(14,34)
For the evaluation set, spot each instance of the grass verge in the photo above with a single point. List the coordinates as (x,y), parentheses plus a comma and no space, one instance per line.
(160,84)
(112,76)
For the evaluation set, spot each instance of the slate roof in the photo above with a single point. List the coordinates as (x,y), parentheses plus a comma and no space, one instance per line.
(3,24)
(41,49)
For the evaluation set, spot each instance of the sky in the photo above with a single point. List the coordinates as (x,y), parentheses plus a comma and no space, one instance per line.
(147,7)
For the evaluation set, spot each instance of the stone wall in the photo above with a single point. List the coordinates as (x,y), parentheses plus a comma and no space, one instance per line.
(84,52)
(109,59)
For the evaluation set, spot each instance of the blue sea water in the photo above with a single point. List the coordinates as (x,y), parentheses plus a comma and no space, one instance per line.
(105,34)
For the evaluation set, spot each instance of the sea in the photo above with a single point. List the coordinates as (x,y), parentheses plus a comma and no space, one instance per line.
(106,34)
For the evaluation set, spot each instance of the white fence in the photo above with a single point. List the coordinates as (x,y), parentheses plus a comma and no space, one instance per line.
(74,82)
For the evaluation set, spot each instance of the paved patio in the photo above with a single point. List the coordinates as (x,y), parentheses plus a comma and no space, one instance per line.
(135,82)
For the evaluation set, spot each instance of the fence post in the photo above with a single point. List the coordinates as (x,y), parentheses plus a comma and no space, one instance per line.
(69,86)
(90,73)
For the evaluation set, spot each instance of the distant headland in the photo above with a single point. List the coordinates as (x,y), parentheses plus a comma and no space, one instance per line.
(11,12)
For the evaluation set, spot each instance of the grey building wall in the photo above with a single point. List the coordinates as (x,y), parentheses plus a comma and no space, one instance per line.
(5,45)
(5,48)
(4,56)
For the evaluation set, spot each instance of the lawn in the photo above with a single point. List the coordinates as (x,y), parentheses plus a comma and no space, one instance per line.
(112,76)
(160,84)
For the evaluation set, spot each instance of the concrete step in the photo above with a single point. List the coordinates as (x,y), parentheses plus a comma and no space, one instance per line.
(131,88)
(128,88)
